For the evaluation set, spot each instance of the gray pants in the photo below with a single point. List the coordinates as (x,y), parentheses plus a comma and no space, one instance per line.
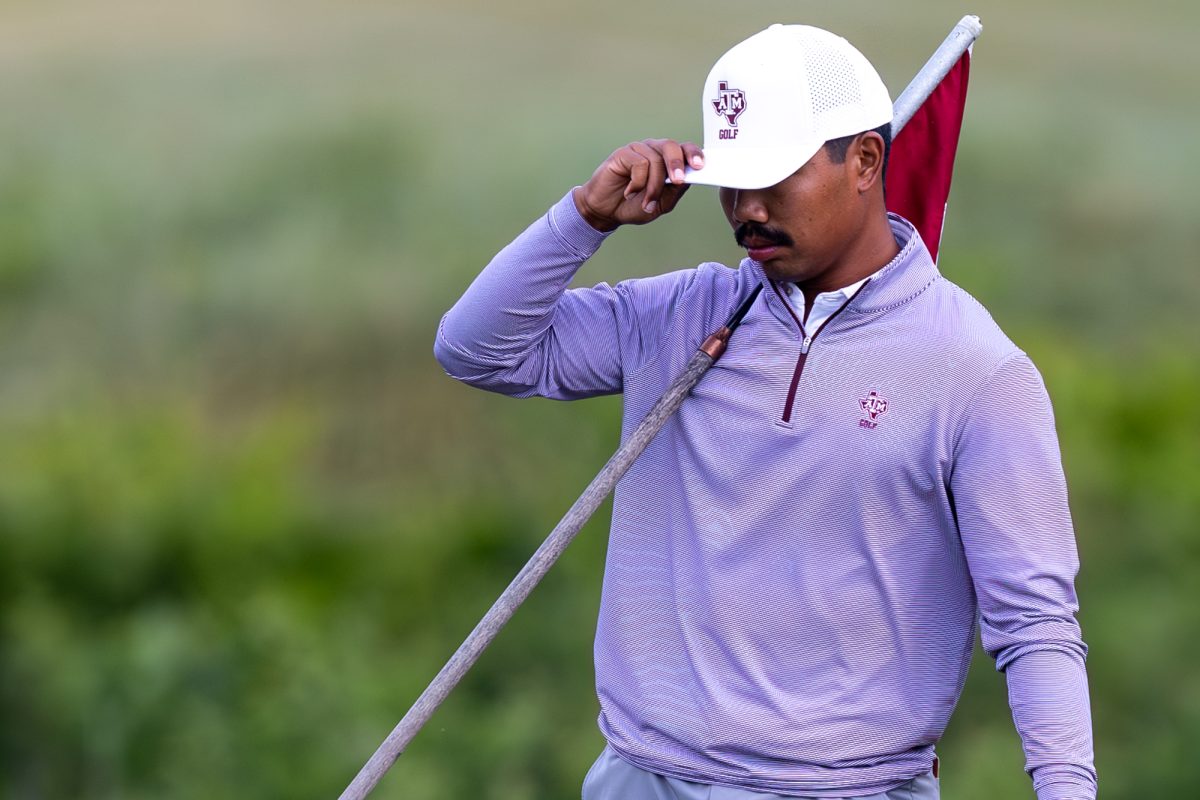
(613,778)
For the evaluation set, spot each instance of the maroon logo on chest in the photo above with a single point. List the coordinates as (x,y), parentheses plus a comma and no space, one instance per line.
(729,103)
(874,406)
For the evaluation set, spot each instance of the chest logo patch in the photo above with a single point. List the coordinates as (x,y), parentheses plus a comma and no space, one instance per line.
(873,406)
(729,103)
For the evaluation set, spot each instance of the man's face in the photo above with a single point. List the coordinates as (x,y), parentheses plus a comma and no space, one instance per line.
(800,227)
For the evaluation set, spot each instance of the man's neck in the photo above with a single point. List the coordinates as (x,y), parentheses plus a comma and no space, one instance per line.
(865,256)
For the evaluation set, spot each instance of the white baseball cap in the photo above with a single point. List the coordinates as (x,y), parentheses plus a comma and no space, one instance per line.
(773,100)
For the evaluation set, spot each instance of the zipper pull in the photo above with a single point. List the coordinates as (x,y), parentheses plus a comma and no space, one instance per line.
(804,345)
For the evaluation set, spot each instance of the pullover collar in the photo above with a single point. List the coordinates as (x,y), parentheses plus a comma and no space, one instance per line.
(908,274)
(911,272)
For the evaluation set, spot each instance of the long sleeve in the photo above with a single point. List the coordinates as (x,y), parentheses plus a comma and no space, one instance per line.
(1010,499)
(519,331)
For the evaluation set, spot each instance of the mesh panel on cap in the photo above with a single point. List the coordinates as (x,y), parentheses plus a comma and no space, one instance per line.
(832,79)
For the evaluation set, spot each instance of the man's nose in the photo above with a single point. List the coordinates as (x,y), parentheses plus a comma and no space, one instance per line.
(748,206)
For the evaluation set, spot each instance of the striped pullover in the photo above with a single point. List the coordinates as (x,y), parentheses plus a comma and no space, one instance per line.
(798,561)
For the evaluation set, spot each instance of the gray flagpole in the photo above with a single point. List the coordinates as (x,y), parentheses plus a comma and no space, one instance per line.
(959,40)
(943,59)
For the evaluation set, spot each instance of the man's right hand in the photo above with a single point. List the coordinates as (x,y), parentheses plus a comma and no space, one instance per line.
(637,184)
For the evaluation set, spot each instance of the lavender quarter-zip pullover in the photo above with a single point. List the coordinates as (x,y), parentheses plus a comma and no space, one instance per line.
(798,561)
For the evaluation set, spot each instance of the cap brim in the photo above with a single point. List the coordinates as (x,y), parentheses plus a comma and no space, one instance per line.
(749,169)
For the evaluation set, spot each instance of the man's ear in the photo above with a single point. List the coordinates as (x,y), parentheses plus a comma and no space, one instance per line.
(866,155)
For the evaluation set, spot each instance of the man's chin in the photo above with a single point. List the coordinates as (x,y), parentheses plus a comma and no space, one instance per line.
(786,267)
(778,272)
(773,261)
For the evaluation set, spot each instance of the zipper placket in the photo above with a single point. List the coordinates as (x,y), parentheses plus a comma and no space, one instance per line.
(805,345)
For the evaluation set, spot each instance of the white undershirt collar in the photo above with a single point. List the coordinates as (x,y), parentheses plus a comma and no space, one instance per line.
(825,305)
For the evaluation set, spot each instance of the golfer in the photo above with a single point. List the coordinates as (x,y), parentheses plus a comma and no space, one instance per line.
(799,560)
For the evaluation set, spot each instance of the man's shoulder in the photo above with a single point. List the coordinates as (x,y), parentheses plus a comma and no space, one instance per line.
(705,274)
(708,285)
(965,331)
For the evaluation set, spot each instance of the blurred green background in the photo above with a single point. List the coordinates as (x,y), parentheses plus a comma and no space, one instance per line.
(244,517)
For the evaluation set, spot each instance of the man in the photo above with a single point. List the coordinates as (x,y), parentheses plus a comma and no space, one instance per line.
(798,560)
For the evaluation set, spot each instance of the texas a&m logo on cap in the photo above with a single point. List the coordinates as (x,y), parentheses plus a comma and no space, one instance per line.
(873,406)
(729,103)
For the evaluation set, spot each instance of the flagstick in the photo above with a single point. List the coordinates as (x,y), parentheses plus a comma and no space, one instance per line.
(943,59)
(960,39)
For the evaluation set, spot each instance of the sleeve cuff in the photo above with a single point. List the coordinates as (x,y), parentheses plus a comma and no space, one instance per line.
(572,229)
(1065,791)
(1064,781)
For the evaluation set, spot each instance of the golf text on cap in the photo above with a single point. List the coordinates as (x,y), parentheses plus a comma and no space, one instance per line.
(729,103)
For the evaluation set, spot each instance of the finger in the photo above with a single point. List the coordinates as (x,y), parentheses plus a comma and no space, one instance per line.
(673,157)
(655,178)
(648,153)
(671,195)
(693,154)
(639,169)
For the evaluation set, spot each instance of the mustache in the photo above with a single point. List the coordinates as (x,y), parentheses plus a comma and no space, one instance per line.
(761,233)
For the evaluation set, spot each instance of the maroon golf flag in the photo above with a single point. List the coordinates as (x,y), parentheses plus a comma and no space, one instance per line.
(922,158)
